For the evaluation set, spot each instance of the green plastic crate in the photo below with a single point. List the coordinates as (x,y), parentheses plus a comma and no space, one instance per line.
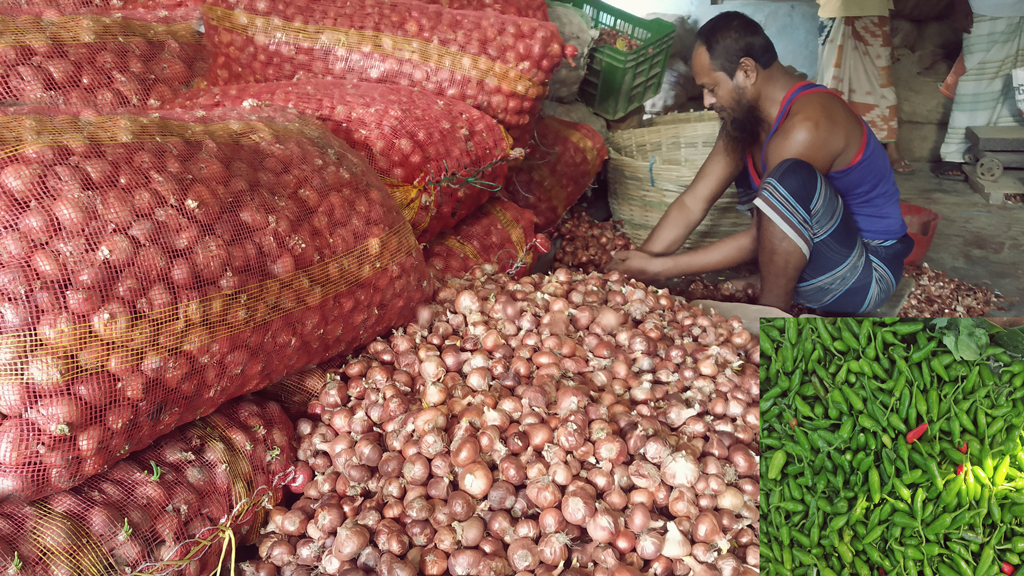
(618,82)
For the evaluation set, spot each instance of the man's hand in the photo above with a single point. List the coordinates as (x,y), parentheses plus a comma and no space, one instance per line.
(637,265)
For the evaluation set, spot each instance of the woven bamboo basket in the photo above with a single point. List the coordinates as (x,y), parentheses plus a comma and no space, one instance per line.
(680,118)
(649,167)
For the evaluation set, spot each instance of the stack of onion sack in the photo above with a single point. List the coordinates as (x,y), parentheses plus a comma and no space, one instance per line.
(88,58)
(497,64)
(155,266)
(561,424)
(563,160)
(166,509)
(536,9)
(439,158)
(499,233)
(587,243)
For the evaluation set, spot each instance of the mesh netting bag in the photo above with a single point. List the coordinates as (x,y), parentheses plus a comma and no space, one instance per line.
(498,233)
(563,160)
(119,5)
(153,266)
(536,9)
(136,58)
(172,508)
(294,393)
(497,64)
(439,158)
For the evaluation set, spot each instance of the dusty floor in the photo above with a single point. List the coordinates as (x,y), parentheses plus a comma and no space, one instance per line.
(978,242)
(975,241)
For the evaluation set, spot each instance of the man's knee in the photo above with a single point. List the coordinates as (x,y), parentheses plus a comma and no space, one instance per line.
(794,172)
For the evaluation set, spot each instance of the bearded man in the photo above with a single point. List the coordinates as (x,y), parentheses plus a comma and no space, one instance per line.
(827,230)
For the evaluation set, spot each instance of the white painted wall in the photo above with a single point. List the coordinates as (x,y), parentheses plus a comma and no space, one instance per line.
(791,24)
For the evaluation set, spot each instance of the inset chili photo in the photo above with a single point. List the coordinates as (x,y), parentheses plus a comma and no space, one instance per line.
(892,446)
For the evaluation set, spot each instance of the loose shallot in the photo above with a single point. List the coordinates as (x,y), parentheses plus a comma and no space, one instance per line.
(567,422)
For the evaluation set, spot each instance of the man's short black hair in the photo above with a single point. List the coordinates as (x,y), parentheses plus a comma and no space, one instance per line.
(732,36)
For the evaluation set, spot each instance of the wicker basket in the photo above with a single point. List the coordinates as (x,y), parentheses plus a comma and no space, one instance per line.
(680,118)
(649,167)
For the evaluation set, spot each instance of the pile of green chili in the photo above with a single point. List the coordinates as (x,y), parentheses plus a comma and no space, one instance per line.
(884,452)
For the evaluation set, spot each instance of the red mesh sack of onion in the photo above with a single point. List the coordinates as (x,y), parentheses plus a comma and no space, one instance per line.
(497,64)
(440,159)
(90,58)
(109,6)
(172,508)
(563,160)
(155,266)
(536,9)
(499,233)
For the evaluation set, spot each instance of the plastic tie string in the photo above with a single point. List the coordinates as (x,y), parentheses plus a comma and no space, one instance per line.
(223,531)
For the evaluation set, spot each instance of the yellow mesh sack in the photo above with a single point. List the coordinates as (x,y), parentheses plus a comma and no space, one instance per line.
(76,57)
(440,159)
(498,233)
(153,266)
(497,64)
(178,507)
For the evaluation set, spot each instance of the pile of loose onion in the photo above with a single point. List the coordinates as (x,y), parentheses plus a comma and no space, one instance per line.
(727,291)
(588,244)
(562,424)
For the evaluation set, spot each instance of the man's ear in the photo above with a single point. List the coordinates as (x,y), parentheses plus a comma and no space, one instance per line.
(746,72)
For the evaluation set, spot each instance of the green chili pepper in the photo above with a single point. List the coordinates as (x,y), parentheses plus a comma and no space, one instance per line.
(988,554)
(777,462)
(1001,471)
(869,423)
(940,524)
(902,490)
(904,520)
(919,355)
(905,328)
(845,552)
(938,368)
(918,504)
(855,401)
(947,570)
(951,490)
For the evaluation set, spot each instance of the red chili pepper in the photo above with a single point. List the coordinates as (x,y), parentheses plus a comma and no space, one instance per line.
(960,470)
(916,433)
(881,571)
(964,447)
(793,423)
(1008,569)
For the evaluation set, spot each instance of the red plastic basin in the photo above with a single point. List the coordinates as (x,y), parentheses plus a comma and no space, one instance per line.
(921,224)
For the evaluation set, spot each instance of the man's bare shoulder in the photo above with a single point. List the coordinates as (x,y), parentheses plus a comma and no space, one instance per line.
(816,130)
(821,116)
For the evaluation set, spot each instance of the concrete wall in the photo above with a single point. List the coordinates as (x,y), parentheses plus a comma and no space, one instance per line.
(791,24)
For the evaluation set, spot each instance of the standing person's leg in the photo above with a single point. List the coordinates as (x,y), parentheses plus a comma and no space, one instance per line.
(984,94)
(855,60)
(811,251)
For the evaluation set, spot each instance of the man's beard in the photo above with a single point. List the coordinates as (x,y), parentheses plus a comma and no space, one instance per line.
(741,129)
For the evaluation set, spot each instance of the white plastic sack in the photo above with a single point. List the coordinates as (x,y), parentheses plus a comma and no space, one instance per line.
(575,112)
(575,27)
(677,88)
(1018,88)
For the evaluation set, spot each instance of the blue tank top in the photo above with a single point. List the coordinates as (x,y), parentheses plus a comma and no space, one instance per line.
(867,185)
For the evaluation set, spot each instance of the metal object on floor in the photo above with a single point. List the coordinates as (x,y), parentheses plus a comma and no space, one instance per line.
(993,150)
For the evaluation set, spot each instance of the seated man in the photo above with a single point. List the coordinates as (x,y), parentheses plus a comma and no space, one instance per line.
(828,232)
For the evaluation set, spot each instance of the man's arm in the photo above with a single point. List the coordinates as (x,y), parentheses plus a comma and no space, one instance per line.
(730,251)
(690,208)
